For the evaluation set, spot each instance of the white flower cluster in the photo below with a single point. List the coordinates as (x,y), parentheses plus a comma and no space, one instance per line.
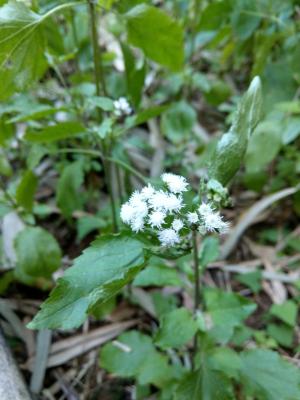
(122,107)
(166,214)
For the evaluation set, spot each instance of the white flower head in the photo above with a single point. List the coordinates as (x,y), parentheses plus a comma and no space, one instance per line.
(177,224)
(205,209)
(127,213)
(175,183)
(157,218)
(213,222)
(168,237)
(192,217)
(147,192)
(173,204)
(158,200)
(137,224)
(122,107)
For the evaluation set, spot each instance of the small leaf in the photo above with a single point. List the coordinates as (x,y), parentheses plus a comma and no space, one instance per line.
(134,355)
(104,103)
(177,328)
(266,375)
(38,253)
(286,312)
(158,35)
(67,192)
(177,123)
(26,190)
(252,280)
(52,133)
(96,276)
(232,146)
(282,333)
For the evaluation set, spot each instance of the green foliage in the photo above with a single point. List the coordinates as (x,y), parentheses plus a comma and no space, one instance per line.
(268,376)
(209,251)
(227,311)
(157,275)
(67,195)
(286,312)
(56,132)
(97,275)
(231,148)
(177,123)
(144,23)
(134,355)
(177,328)
(26,190)
(22,47)
(38,254)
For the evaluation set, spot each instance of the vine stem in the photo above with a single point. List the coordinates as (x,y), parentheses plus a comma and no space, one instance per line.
(101,88)
(196,289)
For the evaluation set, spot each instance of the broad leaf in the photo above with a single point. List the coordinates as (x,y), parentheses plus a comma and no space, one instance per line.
(287,312)
(67,192)
(227,311)
(177,328)
(232,146)
(26,190)
(267,376)
(97,275)
(52,133)
(21,48)
(134,355)
(209,251)
(158,35)
(38,253)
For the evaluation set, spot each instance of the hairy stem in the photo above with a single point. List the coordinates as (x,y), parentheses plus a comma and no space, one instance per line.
(196,288)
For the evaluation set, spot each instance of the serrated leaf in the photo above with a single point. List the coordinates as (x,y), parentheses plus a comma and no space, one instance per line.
(52,133)
(26,190)
(21,48)
(97,275)
(231,148)
(134,355)
(157,34)
(268,376)
(38,253)
(227,311)
(177,328)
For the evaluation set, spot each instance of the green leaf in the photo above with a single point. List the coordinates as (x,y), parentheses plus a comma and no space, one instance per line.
(52,133)
(135,76)
(177,328)
(158,35)
(177,123)
(286,312)
(26,190)
(245,19)
(144,116)
(266,375)
(231,148)
(38,253)
(21,48)
(227,311)
(104,103)
(283,334)
(204,384)
(67,192)
(209,251)
(157,275)
(134,355)
(252,280)
(291,130)
(98,274)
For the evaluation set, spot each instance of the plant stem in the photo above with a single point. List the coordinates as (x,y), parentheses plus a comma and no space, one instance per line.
(101,88)
(98,67)
(196,288)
